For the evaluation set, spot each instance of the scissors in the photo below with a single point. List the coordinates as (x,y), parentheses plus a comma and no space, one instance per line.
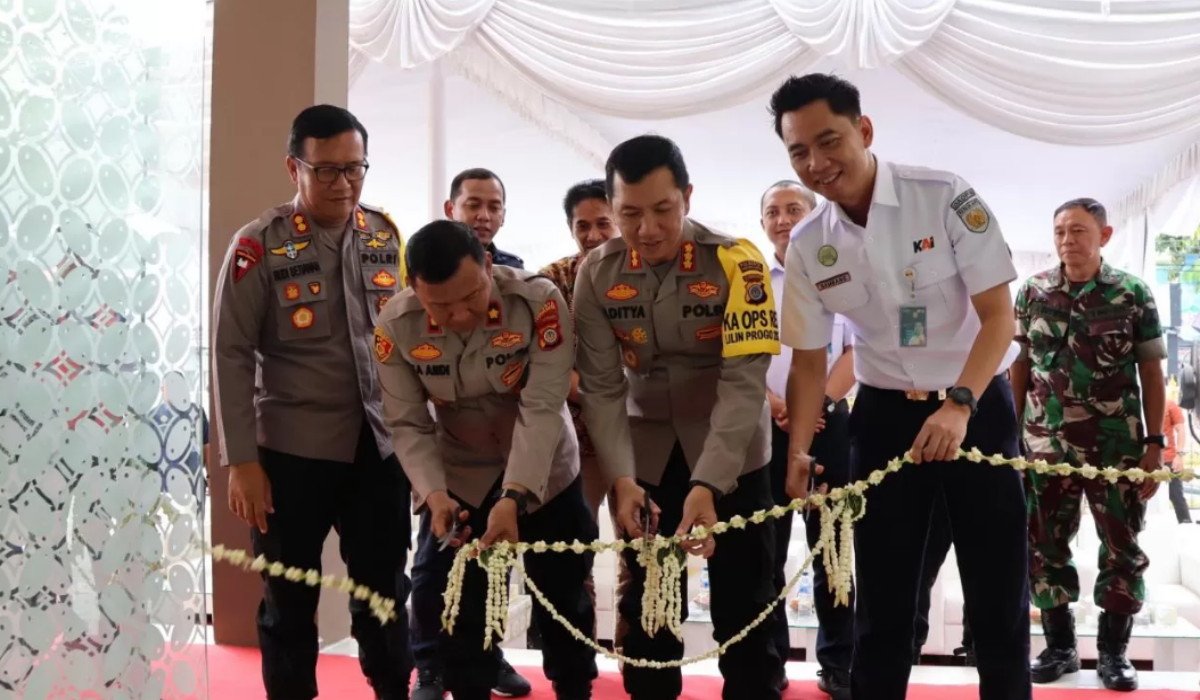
(812,481)
(646,513)
(453,533)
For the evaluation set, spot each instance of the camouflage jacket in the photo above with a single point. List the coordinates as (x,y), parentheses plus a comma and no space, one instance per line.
(563,272)
(1083,345)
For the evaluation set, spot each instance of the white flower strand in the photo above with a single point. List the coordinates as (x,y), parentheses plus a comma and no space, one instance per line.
(838,560)
(382,608)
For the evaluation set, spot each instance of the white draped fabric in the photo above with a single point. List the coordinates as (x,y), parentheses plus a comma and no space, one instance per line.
(1087,72)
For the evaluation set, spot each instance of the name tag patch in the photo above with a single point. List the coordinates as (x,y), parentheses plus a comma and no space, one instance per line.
(433,370)
(831,282)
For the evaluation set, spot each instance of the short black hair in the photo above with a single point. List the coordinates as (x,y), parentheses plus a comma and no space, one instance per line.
(799,92)
(805,193)
(581,192)
(435,251)
(636,158)
(475,174)
(1091,206)
(322,122)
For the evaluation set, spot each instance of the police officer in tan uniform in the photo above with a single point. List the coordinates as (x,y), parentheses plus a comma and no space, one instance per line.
(491,348)
(680,322)
(298,403)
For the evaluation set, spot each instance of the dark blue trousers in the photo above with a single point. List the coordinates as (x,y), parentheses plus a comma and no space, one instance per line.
(835,631)
(986,509)
(469,672)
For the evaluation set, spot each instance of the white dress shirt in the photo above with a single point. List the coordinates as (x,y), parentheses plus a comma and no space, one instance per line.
(777,373)
(929,241)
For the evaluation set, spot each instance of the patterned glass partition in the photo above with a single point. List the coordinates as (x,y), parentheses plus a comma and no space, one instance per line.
(101,430)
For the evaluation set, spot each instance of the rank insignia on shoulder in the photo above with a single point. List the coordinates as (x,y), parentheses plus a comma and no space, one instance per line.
(300,224)
(383,346)
(360,219)
(495,314)
(687,257)
(303,317)
(425,352)
(621,292)
(290,248)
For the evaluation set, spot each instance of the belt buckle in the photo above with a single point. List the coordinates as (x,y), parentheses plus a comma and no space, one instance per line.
(919,395)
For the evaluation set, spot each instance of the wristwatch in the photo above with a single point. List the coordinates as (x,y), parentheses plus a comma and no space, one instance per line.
(1155,440)
(522,499)
(830,405)
(963,396)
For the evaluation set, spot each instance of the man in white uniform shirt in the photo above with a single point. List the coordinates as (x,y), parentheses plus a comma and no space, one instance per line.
(782,206)
(915,262)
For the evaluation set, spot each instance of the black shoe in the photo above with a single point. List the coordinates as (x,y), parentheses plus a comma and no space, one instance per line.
(1115,670)
(784,682)
(429,686)
(509,683)
(1059,657)
(835,684)
(968,654)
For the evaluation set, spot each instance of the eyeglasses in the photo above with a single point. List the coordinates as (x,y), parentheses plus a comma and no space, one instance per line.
(328,174)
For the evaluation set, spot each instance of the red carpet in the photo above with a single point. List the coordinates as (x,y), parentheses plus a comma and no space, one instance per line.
(234,674)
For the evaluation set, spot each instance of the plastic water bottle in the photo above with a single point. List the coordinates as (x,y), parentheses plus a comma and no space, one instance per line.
(804,594)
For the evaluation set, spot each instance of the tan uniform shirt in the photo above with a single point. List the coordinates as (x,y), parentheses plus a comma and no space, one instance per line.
(294,314)
(499,394)
(651,370)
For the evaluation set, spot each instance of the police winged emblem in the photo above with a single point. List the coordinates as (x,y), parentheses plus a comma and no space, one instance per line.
(290,248)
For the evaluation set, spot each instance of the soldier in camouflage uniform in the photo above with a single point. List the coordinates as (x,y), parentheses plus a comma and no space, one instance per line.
(1087,333)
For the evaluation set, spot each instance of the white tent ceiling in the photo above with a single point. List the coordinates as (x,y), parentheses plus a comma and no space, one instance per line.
(732,154)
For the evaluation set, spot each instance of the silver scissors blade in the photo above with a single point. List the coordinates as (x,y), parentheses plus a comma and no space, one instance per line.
(455,529)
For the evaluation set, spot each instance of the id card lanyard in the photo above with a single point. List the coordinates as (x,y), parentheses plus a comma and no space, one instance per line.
(913,317)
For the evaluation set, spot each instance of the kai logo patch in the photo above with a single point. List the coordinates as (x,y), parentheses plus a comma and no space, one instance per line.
(923,245)
(621,292)
(383,346)
(703,289)
(425,352)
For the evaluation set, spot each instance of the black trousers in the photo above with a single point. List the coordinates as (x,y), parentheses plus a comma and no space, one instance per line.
(936,549)
(835,624)
(367,503)
(986,508)
(469,671)
(740,574)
